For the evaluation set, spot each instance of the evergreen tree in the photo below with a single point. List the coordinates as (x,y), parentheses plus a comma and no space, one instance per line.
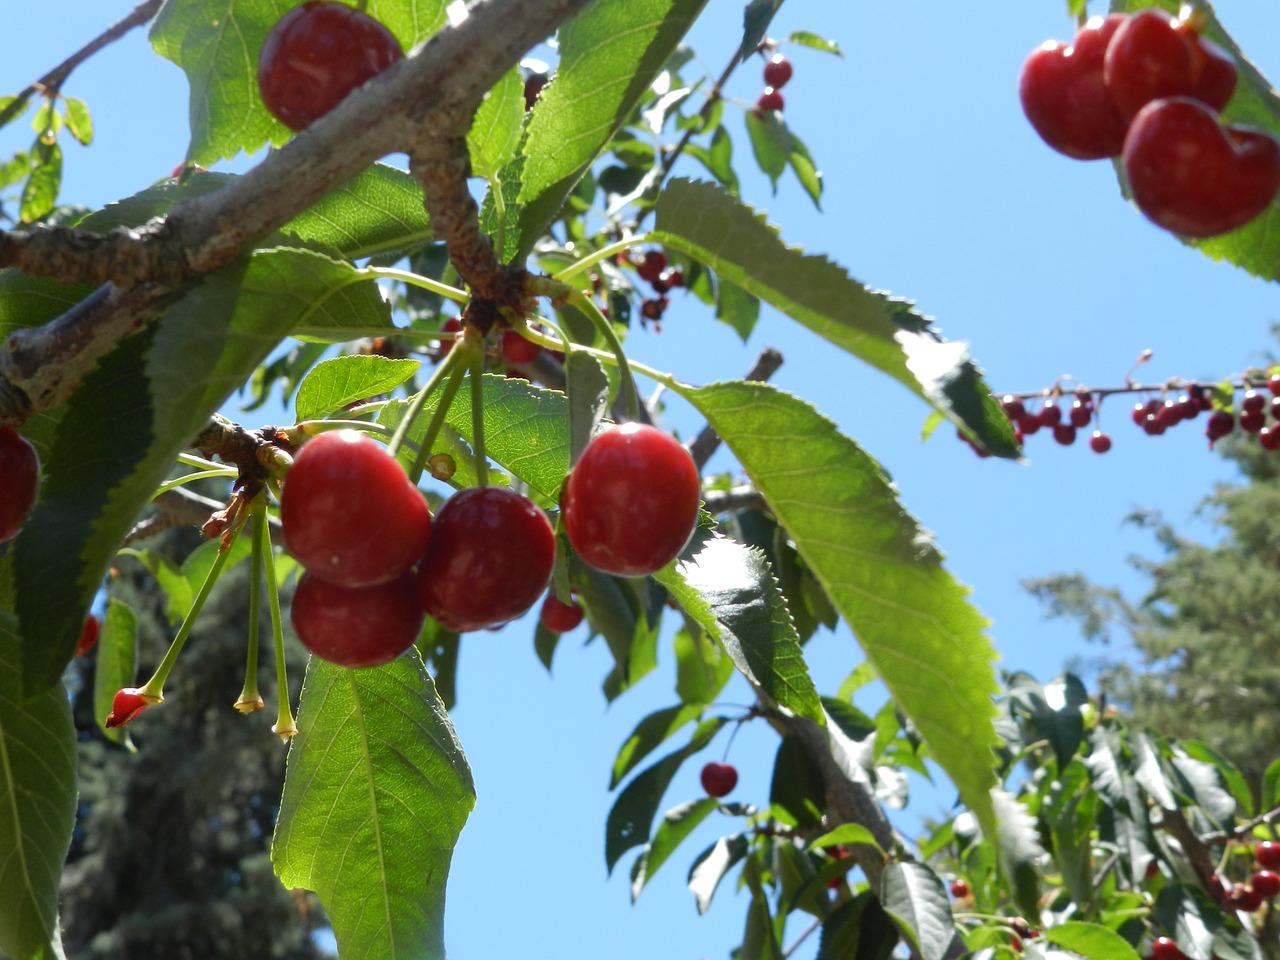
(1207,630)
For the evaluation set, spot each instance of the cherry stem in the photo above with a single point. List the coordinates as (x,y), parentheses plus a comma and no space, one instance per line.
(192,477)
(630,394)
(445,369)
(477,418)
(437,421)
(250,699)
(155,686)
(284,727)
(604,253)
(417,280)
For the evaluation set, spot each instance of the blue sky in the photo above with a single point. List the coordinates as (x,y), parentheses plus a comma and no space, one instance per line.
(936,190)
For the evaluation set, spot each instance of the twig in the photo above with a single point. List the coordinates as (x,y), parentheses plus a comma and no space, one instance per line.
(52,82)
(744,497)
(805,934)
(708,441)
(401,109)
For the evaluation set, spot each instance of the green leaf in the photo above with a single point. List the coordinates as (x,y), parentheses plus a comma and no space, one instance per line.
(1019,848)
(702,667)
(913,895)
(711,865)
(755,23)
(731,592)
(79,122)
(376,792)
(37,805)
(676,825)
(858,929)
(770,145)
(814,42)
(652,731)
(378,212)
(1271,785)
(849,834)
(703,222)
(797,791)
(609,55)
(882,572)
(494,137)
(333,384)
(1090,940)
(216,43)
(588,388)
(114,664)
(328,300)
(806,170)
(717,158)
(40,195)
(632,813)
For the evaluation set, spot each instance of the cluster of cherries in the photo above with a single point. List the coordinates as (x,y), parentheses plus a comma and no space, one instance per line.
(652,267)
(1049,417)
(376,561)
(1148,88)
(777,71)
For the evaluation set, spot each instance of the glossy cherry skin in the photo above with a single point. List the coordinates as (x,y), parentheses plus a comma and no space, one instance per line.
(88,635)
(770,100)
(356,626)
(318,53)
(777,71)
(1153,56)
(126,705)
(1267,853)
(719,779)
(1065,98)
(631,502)
(1193,176)
(1165,949)
(1265,883)
(488,561)
(349,513)
(19,479)
(560,617)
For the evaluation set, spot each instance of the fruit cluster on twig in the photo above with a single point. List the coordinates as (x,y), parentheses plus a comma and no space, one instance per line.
(777,71)
(1148,88)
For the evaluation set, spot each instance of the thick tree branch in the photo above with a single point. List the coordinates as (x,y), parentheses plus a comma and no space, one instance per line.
(52,81)
(400,110)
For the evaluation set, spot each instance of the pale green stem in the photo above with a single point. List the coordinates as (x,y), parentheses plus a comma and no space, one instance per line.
(192,477)
(437,421)
(284,727)
(604,253)
(477,418)
(630,394)
(250,698)
(444,369)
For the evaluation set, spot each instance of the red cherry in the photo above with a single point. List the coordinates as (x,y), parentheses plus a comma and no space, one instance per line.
(959,889)
(1080,414)
(1065,98)
(1252,402)
(1050,414)
(777,71)
(488,561)
(533,85)
(516,349)
(452,325)
(349,513)
(126,705)
(1193,176)
(1265,883)
(88,635)
(1139,413)
(19,479)
(1064,434)
(1099,442)
(631,503)
(1269,437)
(673,277)
(356,626)
(1252,421)
(1267,853)
(559,617)
(771,99)
(1152,56)
(719,779)
(651,267)
(318,53)
(1220,424)
(1165,949)
(1244,899)
(1013,408)
(1273,384)
(1028,424)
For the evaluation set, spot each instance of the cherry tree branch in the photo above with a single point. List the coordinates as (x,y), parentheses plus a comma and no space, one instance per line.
(423,96)
(52,82)
(708,441)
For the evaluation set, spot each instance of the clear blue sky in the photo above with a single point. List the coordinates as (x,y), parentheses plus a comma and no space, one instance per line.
(936,190)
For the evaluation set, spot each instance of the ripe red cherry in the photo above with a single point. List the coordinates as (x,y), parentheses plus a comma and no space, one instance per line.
(719,779)
(19,479)
(516,349)
(349,513)
(318,53)
(1099,442)
(1153,56)
(959,889)
(771,99)
(631,502)
(126,705)
(88,635)
(488,561)
(356,626)
(1191,175)
(1265,883)
(777,71)
(1065,98)
(1165,949)
(651,267)
(560,617)
(1267,853)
